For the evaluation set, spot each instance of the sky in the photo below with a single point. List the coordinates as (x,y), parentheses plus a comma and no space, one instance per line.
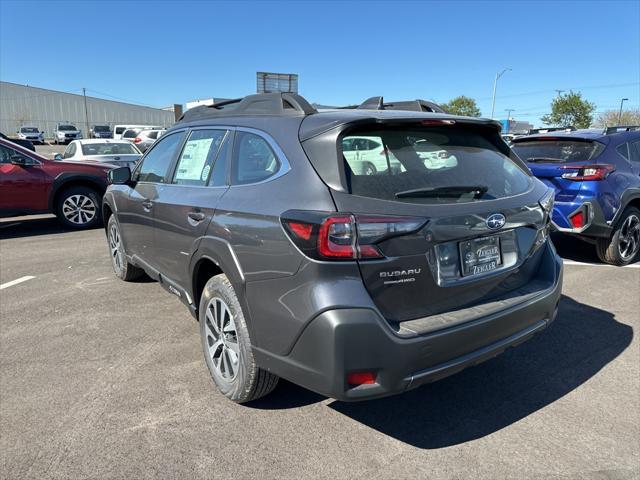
(165,52)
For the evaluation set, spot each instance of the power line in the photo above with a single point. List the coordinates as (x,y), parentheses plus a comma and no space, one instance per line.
(588,87)
(120,99)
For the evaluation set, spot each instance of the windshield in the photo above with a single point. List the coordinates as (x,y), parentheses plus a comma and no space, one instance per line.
(101,128)
(436,165)
(66,127)
(123,148)
(29,130)
(557,150)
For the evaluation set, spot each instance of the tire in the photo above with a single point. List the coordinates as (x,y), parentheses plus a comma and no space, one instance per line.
(624,244)
(240,380)
(369,168)
(78,207)
(121,266)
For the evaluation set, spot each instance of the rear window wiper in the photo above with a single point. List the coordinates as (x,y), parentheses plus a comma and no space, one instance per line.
(545,160)
(453,191)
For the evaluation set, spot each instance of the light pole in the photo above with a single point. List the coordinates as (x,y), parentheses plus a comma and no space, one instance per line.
(495,85)
(620,112)
(509,110)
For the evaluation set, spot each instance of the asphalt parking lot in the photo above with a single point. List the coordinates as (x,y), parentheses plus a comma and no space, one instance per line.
(105,379)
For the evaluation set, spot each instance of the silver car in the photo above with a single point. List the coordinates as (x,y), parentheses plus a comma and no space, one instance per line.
(146,138)
(115,152)
(31,133)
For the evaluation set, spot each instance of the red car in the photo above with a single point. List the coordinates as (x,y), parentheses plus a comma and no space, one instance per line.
(30,184)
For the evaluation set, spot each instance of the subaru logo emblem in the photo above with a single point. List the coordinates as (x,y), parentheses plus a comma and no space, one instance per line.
(496,221)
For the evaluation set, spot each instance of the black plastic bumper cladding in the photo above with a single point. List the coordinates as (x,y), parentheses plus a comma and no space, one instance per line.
(343,341)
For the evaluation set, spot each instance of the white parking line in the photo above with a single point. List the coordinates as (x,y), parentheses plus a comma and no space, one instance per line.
(16,281)
(585,264)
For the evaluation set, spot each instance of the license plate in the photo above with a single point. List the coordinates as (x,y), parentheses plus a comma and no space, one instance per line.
(480,255)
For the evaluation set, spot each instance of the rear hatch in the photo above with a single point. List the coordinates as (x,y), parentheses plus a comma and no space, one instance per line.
(554,160)
(459,225)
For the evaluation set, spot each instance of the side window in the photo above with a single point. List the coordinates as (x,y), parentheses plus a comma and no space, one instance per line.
(197,157)
(155,165)
(5,154)
(70,151)
(221,167)
(253,159)
(623,149)
(634,152)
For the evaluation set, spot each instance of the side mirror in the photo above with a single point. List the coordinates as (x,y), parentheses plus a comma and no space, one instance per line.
(57,157)
(119,176)
(18,160)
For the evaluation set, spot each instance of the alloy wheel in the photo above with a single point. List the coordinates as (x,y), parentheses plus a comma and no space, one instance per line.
(222,339)
(115,246)
(629,239)
(79,209)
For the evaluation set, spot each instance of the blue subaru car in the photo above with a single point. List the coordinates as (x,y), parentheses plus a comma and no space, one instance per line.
(596,177)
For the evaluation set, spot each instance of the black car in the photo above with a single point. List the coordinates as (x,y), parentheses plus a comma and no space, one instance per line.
(23,143)
(300,264)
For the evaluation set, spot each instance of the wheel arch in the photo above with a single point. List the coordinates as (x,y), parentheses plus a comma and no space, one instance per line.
(630,198)
(65,181)
(213,257)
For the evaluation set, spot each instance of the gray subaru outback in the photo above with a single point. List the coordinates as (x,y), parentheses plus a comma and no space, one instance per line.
(358,252)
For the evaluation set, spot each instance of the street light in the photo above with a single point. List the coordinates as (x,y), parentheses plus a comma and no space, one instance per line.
(620,112)
(495,84)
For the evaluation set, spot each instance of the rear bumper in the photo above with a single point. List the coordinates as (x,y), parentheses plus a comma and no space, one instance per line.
(342,341)
(596,224)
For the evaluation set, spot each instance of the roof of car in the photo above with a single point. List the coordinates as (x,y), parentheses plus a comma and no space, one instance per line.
(253,109)
(587,134)
(86,141)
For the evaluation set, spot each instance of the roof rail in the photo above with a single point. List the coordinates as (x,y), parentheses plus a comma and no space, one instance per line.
(286,104)
(534,131)
(378,103)
(621,128)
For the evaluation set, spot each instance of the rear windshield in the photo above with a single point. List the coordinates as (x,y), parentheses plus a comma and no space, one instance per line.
(123,148)
(101,128)
(437,165)
(557,151)
(130,134)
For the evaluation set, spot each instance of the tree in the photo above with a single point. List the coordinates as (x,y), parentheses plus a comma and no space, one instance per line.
(610,118)
(462,106)
(570,110)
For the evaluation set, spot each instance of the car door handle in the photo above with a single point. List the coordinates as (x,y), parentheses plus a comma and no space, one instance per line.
(196,216)
(147,205)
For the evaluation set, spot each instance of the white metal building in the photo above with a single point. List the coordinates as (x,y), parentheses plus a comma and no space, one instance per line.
(22,105)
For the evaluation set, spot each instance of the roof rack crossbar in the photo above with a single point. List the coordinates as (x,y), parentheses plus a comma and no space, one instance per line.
(534,131)
(621,128)
(282,104)
(378,103)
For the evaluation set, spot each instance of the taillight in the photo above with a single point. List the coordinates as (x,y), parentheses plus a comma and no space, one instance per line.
(361,378)
(325,236)
(577,219)
(587,172)
(137,140)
